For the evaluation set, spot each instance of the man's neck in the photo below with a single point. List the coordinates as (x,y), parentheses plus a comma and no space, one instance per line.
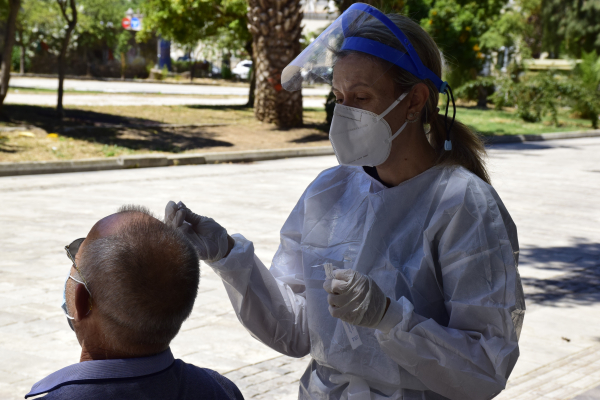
(97,353)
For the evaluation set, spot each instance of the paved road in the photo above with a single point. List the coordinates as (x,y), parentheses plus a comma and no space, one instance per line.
(550,188)
(141,87)
(71,99)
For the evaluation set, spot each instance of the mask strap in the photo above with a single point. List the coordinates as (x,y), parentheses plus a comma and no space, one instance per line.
(390,108)
(449,95)
(86,288)
(398,131)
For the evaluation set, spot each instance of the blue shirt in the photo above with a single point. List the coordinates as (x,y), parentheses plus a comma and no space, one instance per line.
(155,377)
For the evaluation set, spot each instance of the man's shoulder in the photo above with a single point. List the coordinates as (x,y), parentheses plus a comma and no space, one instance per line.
(180,381)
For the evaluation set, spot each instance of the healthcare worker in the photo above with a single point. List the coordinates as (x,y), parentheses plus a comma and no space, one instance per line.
(397,270)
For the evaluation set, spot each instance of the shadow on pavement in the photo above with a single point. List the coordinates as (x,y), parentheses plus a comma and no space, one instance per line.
(169,139)
(519,146)
(580,265)
(220,108)
(113,130)
(45,117)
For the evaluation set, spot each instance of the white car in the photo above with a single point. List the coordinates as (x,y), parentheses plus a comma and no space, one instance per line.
(242,70)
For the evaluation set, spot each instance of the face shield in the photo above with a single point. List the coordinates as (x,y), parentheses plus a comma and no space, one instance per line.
(363,29)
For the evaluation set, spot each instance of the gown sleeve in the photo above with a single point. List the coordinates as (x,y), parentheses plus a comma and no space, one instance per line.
(473,247)
(272,309)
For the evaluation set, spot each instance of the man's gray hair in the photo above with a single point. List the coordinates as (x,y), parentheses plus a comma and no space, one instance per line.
(143,280)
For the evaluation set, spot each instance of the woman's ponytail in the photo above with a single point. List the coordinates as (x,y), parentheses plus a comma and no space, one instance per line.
(467,151)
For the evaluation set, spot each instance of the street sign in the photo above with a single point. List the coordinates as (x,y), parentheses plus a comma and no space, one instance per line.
(135,24)
(126,23)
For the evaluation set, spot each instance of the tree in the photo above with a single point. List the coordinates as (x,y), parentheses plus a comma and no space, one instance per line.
(571,27)
(32,21)
(187,22)
(518,26)
(276,29)
(9,38)
(71,23)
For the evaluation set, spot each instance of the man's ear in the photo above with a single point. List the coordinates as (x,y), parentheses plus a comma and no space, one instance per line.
(83,302)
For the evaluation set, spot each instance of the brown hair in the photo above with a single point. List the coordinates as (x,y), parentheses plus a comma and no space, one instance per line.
(468,150)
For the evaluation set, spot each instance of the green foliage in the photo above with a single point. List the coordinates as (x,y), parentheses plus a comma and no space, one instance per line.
(586,88)
(470,90)
(519,25)
(589,70)
(189,21)
(458,26)
(15,60)
(98,24)
(571,26)
(534,96)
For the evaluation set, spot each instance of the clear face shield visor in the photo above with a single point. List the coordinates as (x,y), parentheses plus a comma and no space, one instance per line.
(362,29)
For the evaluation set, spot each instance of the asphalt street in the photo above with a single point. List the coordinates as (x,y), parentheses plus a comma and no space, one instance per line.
(126,93)
(551,190)
(141,87)
(75,99)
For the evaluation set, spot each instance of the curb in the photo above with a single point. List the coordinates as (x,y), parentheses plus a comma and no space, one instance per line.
(159,160)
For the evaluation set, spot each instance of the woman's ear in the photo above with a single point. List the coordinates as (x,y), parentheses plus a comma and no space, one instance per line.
(83,302)
(418,98)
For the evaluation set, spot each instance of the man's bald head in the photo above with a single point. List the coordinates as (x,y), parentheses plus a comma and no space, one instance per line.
(143,277)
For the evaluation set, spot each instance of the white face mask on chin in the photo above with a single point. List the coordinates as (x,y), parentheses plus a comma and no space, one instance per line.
(360,137)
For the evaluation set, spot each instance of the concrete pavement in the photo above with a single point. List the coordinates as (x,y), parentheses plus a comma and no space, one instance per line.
(550,188)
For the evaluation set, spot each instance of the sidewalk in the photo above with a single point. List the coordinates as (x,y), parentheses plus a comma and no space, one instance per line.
(550,188)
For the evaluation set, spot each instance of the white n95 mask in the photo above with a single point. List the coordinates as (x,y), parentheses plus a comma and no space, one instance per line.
(360,137)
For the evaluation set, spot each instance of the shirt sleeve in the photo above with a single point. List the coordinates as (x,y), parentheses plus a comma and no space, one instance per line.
(473,356)
(229,387)
(270,304)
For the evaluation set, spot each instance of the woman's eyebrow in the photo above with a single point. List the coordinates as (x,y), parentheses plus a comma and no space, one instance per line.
(351,87)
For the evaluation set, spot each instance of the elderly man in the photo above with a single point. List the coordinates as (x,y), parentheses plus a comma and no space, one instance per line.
(132,283)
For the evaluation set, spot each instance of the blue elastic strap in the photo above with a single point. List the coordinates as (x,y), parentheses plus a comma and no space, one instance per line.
(411,64)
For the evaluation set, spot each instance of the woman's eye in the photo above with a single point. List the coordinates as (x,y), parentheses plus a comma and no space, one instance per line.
(361,98)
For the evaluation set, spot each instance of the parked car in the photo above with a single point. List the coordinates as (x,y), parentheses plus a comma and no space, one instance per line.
(215,72)
(242,70)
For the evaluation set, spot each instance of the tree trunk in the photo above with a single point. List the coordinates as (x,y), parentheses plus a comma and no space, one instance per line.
(9,40)
(276,29)
(482,98)
(22,59)
(71,22)
(249,49)
(123,66)
(192,68)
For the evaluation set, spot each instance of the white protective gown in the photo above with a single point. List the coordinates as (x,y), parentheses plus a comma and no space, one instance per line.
(441,246)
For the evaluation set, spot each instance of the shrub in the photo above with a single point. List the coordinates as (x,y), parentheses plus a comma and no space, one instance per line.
(585,88)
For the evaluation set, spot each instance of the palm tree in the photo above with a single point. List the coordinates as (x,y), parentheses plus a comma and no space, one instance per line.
(276,30)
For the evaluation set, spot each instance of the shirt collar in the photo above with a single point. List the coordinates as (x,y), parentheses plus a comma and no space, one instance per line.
(90,371)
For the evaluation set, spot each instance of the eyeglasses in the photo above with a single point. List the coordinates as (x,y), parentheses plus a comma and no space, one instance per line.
(72,250)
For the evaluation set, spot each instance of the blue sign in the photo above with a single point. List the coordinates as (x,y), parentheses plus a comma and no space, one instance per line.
(135,24)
